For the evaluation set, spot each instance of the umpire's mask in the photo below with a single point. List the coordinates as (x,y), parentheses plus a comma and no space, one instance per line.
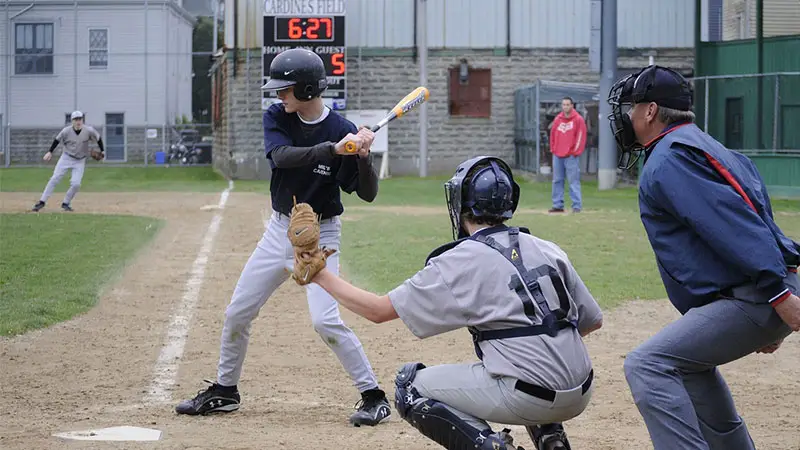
(483,186)
(661,85)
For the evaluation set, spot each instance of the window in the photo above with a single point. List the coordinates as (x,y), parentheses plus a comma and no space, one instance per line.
(470,96)
(33,52)
(98,48)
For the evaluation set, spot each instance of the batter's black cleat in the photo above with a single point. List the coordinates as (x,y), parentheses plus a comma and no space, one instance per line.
(66,207)
(372,409)
(549,437)
(39,205)
(214,399)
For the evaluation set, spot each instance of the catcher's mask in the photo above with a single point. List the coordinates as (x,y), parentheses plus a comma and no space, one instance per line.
(483,186)
(657,84)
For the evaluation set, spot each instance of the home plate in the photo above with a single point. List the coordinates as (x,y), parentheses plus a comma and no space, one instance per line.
(124,433)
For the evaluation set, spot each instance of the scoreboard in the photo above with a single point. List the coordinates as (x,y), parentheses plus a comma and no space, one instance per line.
(317,25)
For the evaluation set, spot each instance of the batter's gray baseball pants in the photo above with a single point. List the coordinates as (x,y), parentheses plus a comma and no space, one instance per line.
(673,376)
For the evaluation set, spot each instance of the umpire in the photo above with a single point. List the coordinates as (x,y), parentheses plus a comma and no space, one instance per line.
(725,264)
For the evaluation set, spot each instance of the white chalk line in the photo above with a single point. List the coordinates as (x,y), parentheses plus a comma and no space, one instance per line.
(166,368)
(269,401)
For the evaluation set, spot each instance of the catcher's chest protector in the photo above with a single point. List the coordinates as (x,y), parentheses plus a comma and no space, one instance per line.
(544,319)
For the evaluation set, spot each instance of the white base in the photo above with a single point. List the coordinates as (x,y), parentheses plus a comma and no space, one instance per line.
(606,179)
(123,433)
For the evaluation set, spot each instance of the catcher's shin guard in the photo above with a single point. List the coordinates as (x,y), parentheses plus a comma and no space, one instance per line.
(549,437)
(437,421)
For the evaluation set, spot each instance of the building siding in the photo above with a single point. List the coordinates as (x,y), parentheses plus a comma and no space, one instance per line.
(150,93)
(42,100)
(781,18)
(483,23)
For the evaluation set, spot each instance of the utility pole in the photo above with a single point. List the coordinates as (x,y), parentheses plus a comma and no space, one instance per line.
(607,160)
(422,44)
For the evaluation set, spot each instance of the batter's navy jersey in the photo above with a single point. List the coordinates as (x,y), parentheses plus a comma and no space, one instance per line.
(318,183)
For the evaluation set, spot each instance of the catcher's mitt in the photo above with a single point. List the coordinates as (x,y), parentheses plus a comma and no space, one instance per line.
(303,233)
(303,229)
(308,264)
(96,155)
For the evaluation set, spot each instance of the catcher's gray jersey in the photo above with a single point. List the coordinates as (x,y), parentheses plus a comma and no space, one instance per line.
(469,286)
(77,144)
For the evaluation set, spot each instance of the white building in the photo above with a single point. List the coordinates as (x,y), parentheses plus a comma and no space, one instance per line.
(127,64)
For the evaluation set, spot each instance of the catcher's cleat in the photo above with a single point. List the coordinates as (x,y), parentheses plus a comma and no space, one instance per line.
(39,205)
(66,207)
(214,399)
(549,437)
(373,408)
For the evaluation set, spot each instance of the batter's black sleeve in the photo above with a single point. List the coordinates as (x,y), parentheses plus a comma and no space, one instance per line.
(53,146)
(285,156)
(367,179)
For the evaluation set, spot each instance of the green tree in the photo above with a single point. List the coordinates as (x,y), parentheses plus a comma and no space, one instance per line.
(203,41)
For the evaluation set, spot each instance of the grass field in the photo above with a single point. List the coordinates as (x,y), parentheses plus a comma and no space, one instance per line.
(381,248)
(52,266)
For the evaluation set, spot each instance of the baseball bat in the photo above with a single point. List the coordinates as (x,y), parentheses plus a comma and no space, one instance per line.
(414,98)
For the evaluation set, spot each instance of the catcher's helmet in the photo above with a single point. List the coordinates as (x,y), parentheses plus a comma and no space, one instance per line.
(483,186)
(300,68)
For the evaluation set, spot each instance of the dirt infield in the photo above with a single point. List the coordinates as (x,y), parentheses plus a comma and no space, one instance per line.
(94,370)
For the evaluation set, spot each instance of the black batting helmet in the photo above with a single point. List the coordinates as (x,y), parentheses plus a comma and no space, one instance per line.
(300,68)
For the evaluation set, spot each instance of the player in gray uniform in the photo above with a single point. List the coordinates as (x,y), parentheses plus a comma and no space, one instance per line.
(75,141)
(525,306)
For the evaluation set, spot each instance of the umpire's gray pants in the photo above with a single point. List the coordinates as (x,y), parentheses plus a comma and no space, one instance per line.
(476,396)
(675,382)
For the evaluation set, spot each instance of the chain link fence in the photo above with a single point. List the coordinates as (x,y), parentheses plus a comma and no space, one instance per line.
(150,108)
(756,114)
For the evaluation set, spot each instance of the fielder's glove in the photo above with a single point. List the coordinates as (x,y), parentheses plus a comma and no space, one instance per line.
(96,155)
(303,233)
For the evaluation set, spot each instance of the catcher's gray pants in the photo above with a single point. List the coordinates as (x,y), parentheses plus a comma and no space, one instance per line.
(264,272)
(477,397)
(675,382)
(65,163)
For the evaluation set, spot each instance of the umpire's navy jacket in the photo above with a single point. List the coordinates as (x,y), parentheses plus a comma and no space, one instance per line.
(709,220)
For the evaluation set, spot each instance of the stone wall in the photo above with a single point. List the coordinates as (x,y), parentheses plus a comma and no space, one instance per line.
(378,82)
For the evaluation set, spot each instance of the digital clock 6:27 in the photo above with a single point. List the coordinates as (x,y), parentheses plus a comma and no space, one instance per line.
(315,29)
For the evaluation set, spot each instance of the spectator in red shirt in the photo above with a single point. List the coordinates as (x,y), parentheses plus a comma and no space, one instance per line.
(567,141)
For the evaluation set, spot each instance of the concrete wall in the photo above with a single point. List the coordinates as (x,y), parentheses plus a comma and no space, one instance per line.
(378,82)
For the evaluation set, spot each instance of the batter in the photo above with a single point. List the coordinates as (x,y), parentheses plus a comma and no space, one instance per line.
(525,306)
(726,265)
(304,143)
(75,140)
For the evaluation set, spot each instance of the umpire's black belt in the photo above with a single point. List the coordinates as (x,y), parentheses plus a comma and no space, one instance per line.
(549,394)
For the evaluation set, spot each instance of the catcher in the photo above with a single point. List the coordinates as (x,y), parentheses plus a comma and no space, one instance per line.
(520,298)
(75,141)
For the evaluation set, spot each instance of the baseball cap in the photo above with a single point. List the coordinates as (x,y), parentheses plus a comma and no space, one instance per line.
(662,86)
(76,115)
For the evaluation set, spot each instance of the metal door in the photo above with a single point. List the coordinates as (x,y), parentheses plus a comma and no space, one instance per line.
(734,123)
(526,128)
(115,137)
